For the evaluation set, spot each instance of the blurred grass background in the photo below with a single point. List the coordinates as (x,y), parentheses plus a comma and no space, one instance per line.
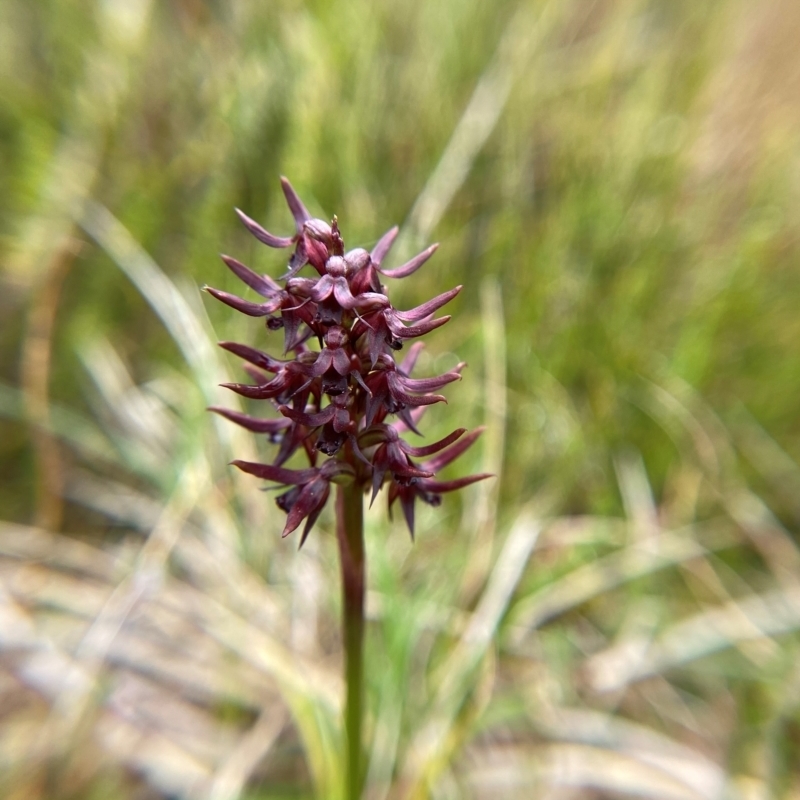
(616,185)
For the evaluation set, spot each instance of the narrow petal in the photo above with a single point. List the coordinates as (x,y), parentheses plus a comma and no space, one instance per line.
(295,204)
(312,518)
(407,500)
(440,487)
(311,500)
(356,375)
(259,377)
(359,452)
(276,474)
(261,392)
(430,449)
(428,384)
(297,261)
(407,365)
(245,306)
(420,312)
(410,266)
(412,331)
(291,330)
(254,356)
(292,439)
(399,393)
(309,420)
(379,469)
(408,418)
(452,453)
(383,246)
(255,424)
(375,402)
(376,340)
(263,235)
(410,471)
(263,284)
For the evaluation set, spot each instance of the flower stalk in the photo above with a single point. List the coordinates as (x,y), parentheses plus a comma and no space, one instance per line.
(350,537)
(343,404)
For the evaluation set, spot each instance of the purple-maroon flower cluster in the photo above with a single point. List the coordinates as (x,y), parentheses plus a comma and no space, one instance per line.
(338,399)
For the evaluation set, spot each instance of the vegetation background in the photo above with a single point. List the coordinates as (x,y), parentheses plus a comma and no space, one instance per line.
(616,184)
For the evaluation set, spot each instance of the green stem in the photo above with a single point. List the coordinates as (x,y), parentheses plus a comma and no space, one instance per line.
(350,534)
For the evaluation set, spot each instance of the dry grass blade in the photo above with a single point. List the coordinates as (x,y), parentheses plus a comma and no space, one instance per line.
(205,554)
(680,406)
(587,727)
(607,573)
(768,457)
(637,497)
(516,772)
(144,580)
(166,667)
(429,749)
(481,524)
(146,427)
(766,615)
(249,752)
(523,34)
(172,308)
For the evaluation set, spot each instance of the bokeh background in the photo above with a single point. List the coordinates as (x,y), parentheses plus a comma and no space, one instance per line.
(616,184)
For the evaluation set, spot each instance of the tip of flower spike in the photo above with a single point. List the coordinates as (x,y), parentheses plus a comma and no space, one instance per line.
(299,211)
(383,246)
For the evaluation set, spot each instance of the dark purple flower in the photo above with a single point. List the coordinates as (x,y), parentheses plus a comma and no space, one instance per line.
(393,455)
(339,383)
(385,329)
(391,390)
(310,493)
(427,489)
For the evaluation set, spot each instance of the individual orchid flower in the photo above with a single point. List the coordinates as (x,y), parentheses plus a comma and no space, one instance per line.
(311,488)
(391,390)
(393,455)
(385,329)
(426,488)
